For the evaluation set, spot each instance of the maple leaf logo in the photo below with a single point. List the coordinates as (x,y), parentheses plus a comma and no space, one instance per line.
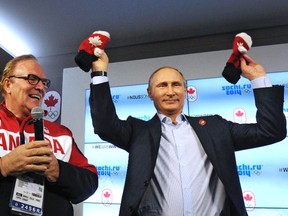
(248,197)
(51,101)
(239,113)
(107,197)
(106,194)
(191,91)
(96,41)
(241,48)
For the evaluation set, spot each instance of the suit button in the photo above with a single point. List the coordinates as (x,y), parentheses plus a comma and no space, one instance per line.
(146,183)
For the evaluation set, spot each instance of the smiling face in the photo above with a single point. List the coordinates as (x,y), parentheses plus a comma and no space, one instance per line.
(167,89)
(21,96)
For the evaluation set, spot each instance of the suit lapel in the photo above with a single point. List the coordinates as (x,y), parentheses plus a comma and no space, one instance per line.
(201,128)
(155,132)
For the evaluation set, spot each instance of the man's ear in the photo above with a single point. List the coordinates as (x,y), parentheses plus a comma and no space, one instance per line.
(186,92)
(149,93)
(6,85)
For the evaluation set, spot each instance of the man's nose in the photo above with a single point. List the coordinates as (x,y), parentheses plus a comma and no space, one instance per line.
(41,87)
(170,90)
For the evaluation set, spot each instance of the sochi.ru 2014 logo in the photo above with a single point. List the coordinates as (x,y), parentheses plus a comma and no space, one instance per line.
(107,197)
(192,93)
(249,200)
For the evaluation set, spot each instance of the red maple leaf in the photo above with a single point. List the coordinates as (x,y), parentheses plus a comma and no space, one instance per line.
(191,91)
(106,194)
(51,102)
(239,113)
(248,197)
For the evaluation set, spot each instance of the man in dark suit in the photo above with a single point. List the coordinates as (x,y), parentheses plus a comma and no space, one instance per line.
(181,165)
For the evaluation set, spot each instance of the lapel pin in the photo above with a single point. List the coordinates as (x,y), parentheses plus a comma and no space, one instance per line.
(202,122)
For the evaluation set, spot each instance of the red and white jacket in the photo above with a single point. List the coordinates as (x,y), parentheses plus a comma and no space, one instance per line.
(59,136)
(77,178)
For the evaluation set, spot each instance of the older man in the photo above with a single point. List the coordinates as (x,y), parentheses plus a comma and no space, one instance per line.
(43,176)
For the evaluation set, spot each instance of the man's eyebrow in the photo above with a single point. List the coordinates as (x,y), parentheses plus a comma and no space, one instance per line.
(161,84)
(177,82)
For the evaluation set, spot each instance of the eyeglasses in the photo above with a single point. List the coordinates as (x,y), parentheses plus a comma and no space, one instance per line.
(33,79)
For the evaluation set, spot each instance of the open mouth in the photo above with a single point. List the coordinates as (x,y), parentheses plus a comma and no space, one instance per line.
(35,96)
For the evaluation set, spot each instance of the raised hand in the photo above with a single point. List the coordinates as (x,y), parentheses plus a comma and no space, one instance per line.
(250,69)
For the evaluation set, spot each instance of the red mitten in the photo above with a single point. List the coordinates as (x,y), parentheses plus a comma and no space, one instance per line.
(91,48)
(242,43)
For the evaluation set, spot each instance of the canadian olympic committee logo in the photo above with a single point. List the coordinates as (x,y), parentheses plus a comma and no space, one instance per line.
(51,104)
(107,197)
(192,93)
(249,200)
(239,115)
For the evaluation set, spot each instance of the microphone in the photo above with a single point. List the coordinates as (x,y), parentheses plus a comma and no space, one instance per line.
(37,114)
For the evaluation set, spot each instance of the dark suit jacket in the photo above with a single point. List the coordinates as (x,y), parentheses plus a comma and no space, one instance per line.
(220,139)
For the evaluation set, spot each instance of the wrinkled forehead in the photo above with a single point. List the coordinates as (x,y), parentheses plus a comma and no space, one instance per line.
(29,67)
(167,75)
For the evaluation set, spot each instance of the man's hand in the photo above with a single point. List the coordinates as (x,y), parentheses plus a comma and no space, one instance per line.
(101,64)
(30,157)
(250,69)
(52,173)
